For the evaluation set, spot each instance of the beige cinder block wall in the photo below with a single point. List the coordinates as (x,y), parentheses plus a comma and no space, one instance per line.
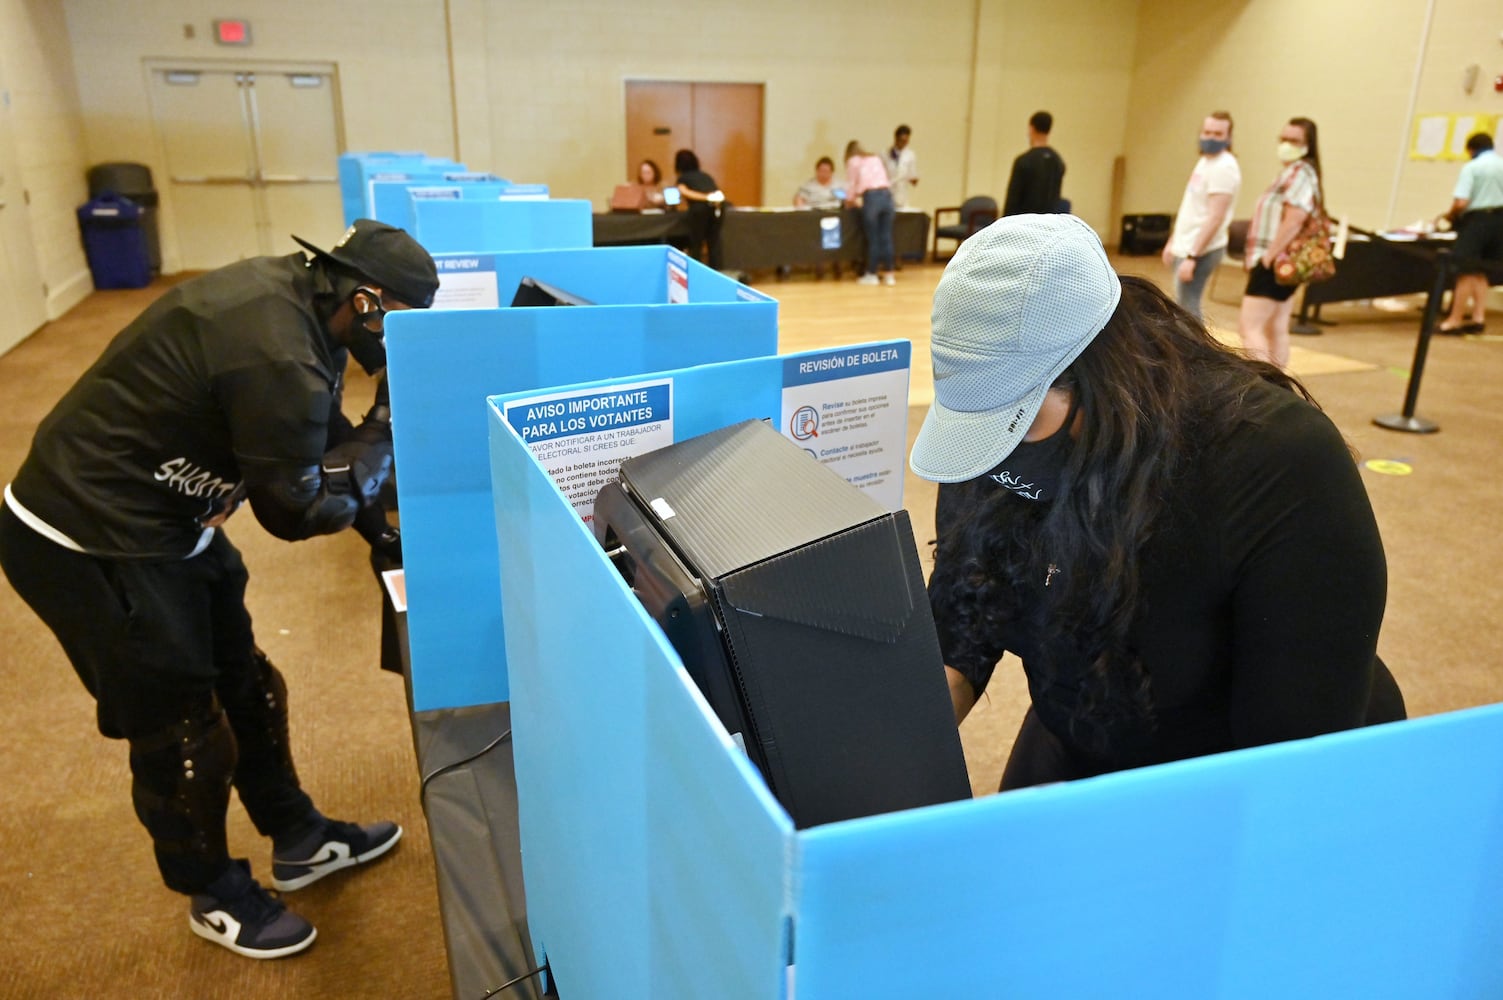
(964,74)
(832,71)
(1072,58)
(1461,33)
(392,61)
(49,139)
(1357,67)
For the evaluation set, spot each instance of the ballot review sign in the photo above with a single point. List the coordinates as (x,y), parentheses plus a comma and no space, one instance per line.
(466,281)
(848,408)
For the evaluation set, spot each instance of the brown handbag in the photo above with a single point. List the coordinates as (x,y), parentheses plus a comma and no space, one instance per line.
(1308,257)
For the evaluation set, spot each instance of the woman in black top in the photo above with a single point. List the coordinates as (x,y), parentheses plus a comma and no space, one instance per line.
(1172,537)
(705,201)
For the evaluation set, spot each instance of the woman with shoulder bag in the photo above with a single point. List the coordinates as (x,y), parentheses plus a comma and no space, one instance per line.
(1277,220)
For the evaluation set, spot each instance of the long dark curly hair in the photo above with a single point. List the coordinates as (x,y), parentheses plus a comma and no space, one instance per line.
(1153,391)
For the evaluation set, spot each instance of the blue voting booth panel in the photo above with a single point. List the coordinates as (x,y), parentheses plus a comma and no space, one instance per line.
(1359,864)
(653,821)
(392,201)
(356,170)
(443,365)
(447,226)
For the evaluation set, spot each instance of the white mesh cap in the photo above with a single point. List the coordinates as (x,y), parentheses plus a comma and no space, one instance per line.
(1017,303)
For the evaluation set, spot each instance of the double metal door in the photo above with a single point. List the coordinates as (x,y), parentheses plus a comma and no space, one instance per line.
(252,156)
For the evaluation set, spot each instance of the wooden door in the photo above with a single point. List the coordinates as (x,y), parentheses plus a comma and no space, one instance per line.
(659,122)
(22,294)
(720,122)
(728,137)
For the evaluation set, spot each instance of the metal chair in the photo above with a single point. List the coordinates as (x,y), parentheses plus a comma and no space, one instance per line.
(974,215)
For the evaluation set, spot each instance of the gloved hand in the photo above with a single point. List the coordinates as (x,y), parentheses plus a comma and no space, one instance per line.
(358,469)
(388,545)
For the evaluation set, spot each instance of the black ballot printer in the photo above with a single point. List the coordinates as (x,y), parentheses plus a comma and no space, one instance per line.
(797,604)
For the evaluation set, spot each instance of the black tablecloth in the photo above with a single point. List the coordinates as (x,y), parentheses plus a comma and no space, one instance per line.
(1375,268)
(753,240)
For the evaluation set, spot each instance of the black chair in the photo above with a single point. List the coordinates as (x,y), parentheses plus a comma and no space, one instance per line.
(976,214)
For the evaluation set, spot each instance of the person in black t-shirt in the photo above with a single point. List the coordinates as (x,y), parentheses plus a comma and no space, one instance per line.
(1172,537)
(1037,175)
(225,390)
(705,202)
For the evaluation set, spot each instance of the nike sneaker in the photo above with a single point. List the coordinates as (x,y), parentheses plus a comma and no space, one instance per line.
(237,913)
(327,848)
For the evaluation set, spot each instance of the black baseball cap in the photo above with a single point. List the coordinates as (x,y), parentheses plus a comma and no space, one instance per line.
(388,256)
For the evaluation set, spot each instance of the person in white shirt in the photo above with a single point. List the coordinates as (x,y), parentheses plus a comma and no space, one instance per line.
(902,166)
(1198,243)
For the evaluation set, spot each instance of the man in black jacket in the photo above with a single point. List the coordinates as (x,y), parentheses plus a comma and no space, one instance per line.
(226,389)
(1037,175)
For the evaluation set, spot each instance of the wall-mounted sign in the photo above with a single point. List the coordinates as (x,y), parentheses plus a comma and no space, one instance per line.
(232,32)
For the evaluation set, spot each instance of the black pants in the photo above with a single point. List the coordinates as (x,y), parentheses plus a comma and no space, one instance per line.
(167,651)
(704,233)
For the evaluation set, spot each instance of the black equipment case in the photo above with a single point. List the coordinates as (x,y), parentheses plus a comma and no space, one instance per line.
(1144,234)
(798,606)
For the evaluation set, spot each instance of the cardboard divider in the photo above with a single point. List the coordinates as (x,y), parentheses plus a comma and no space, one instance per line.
(1363,863)
(443,364)
(358,170)
(392,201)
(462,226)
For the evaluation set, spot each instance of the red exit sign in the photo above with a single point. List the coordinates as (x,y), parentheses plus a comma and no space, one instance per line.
(236,32)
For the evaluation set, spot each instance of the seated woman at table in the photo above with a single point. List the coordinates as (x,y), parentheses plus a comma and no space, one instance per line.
(704,200)
(819,191)
(650,180)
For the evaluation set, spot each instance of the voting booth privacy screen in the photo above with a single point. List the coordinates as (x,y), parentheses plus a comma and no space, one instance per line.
(658,862)
(654,309)
(798,606)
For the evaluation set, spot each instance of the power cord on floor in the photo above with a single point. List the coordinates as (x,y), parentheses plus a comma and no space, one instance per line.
(423,788)
(510,983)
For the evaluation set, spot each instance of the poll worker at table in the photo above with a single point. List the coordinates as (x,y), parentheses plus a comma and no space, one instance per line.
(820,191)
(1477,213)
(223,390)
(1173,538)
(650,179)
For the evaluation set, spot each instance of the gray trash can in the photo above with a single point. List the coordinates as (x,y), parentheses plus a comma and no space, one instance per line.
(133,180)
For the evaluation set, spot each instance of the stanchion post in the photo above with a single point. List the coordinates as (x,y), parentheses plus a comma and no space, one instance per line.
(1407,421)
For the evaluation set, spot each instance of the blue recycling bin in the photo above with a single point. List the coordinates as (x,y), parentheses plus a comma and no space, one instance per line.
(115,241)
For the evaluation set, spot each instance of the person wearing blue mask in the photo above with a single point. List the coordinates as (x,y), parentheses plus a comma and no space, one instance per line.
(1170,535)
(1205,213)
(1477,213)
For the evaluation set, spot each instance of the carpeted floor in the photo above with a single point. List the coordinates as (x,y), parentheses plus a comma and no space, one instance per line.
(85,914)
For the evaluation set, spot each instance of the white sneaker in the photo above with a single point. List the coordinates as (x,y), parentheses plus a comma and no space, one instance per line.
(890,280)
(867,279)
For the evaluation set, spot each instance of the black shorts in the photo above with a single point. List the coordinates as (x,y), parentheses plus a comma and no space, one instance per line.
(1261,284)
(1479,237)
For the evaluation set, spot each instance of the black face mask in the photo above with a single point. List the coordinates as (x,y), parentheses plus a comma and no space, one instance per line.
(367,343)
(1034,468)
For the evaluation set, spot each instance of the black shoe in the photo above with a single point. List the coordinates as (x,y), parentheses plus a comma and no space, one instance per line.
(327,848)
(235,912)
